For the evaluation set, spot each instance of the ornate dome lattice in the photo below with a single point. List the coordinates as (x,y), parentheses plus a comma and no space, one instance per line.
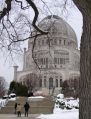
(58,26)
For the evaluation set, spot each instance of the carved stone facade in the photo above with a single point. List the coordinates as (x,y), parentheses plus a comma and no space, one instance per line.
(57,55)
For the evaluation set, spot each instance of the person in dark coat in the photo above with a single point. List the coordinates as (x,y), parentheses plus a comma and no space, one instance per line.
(26,107)
(15,107)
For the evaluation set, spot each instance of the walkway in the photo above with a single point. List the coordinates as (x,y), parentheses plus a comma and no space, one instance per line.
(12,116)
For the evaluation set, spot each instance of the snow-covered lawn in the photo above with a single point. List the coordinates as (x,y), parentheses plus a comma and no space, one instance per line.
(36,98)
(63,109)
(61,115)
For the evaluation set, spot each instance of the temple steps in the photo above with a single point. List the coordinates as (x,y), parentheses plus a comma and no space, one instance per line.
(44,106)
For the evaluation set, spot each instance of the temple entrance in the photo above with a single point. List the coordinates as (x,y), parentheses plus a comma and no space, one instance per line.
(50,83)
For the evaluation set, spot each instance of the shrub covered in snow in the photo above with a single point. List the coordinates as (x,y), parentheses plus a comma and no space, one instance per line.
(66,103)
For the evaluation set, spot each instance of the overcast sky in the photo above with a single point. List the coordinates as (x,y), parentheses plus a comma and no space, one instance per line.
(74,18)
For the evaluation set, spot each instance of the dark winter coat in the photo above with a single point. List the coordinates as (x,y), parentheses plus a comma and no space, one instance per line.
(26,106)
(15,105)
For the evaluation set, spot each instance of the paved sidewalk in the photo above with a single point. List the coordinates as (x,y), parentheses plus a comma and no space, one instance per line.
(12,116)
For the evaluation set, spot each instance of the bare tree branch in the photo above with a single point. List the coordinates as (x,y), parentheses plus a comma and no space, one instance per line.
(35,17)
(22,5)
(6,10)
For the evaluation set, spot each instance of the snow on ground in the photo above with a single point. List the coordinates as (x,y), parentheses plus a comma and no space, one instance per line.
(61,111)
(36,98)
(4,100)
(3,103)
(61,115)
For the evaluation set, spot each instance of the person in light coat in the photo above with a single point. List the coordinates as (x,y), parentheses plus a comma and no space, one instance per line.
(19,110)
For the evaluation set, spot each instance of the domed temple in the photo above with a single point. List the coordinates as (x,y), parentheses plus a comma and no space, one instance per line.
(56,55)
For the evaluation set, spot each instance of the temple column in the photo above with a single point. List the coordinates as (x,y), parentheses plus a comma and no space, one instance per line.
(54,82)
(24,59)
(43,82)
(15,73)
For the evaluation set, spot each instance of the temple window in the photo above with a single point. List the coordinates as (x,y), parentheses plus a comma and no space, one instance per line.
(55,60)
(56,82)
(55,41)
(39,42)
(64,42)
(58,60)
(67,60)
(42,42)
(50,82)
(40,83)
(60,42)
(44,61)
(45,77)
(61,60)
(60,82)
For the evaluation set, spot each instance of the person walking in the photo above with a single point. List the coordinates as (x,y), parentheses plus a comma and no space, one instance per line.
(26,107)
(15,107)
(18,110)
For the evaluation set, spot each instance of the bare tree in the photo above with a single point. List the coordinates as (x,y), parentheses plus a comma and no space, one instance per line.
(2,86)
(32,82)
(7,9)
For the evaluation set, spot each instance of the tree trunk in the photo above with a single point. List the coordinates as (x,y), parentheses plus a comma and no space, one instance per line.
(85,70)
(85,60)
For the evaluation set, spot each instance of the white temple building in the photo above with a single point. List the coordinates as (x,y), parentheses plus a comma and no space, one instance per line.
(56,54)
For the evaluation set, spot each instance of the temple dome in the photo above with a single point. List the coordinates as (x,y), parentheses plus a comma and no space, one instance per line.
(58,26)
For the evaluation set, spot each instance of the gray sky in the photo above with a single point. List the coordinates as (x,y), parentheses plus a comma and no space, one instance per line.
(74,18)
